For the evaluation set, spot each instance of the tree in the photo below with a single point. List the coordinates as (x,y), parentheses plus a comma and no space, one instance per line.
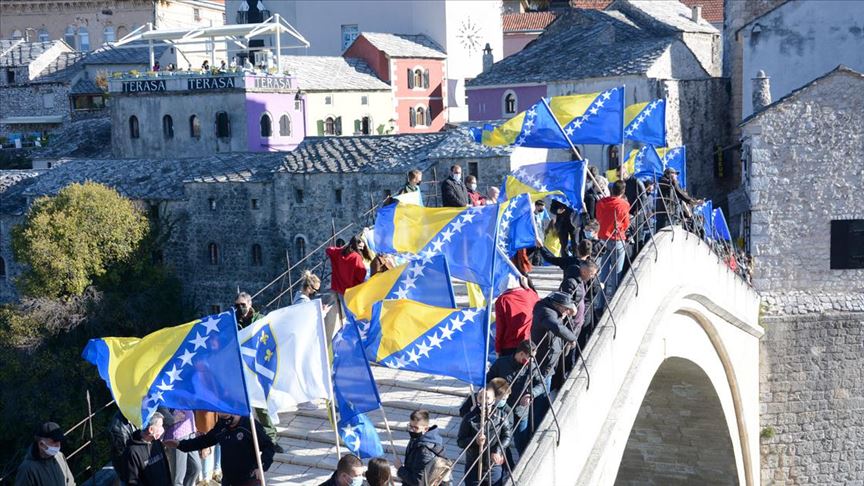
(68,240)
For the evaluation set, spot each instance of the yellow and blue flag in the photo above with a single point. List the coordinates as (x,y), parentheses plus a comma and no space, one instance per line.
(193,366)
(566,177)
(646,122)
(675,158)
(706,211)
(594,118)
(356,393)
(721,229)
(481,133)
(645,163)
(465,236)
(418,337)
(425,280)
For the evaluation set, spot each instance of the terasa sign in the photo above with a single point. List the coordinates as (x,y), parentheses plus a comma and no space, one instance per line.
(203,84)
(274,83)
(144,86)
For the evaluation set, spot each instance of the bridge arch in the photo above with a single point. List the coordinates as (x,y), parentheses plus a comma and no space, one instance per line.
(684,306)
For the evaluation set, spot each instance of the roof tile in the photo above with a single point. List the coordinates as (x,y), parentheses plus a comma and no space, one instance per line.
(404,45)
(527,21)
(327,73)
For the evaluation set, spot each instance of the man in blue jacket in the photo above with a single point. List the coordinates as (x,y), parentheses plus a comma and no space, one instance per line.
(423,448)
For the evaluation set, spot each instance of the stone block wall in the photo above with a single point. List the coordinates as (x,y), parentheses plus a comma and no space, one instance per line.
(33,100)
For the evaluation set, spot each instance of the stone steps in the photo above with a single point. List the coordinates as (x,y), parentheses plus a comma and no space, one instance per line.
(308,438)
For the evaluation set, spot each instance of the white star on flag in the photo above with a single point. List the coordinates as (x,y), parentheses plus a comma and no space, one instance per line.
(469,314)
(409,282)
(211,325)
(447,234)
(457,323)
(165,386)
(424,349)
(436,245)
(434,340)
(199,341)
(417,270)
(468,216)
(174,374)
(186,358)
(402,293)
(607,95)
(594,110)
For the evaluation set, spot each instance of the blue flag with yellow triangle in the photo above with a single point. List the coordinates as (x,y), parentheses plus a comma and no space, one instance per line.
(646,122)
(646,163)
(706,211)
(566,177)
(443,341)
(675,158)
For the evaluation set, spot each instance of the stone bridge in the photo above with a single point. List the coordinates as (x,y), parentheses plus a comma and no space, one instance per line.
(673,395)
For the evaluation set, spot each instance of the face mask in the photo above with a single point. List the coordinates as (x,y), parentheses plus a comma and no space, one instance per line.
(415,435)
(590,235)
(358,481)
(473,187)
(501,403)
(51,451)
(457,177)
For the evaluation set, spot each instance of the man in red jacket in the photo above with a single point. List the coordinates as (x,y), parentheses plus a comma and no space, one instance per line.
(513,317)
(613,214)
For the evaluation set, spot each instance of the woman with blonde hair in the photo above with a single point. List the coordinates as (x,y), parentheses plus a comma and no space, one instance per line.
(310,286)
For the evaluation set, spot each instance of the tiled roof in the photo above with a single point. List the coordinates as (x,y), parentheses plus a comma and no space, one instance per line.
(712,10)
(404,45)
(13,183)
(86,86)
(81,138)
(63,69)
(581,44)
(327,73)
(140,54)
(22,54)
(527,22)
(460,144)
(670,14)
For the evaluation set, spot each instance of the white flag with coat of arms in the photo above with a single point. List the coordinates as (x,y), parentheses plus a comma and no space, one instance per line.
(285,358)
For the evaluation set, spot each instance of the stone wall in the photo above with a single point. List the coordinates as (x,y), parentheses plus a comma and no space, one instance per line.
(44,99)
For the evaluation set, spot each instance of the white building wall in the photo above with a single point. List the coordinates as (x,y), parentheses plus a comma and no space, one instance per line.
(799,42)
(347,104)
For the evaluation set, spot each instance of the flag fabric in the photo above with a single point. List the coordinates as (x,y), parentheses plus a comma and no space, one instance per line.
(443,341)
(566,177)
(595,118)
(646,122)
(424,280)
(285,358)
(463,235)
(481,133)
(355,391)
(413,197)
(706,211)
(516,227)
(193,366)
(675,158)
(721,229)
(647,163)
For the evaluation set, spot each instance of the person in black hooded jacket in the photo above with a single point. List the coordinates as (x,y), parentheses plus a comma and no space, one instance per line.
(424,447)
(496,437)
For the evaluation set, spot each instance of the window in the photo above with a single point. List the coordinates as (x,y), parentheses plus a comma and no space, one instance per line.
(420,116)
(69,36)
(410,78)
(429,117)
(133,126)
(612,153)
(847,244)
(48,100)
(223,125)
(17,35)
(83,39)
(2,268)
(211,203)
(426,78)
(474,169)
(297,105)
(349,33)
(194,127)
(266,125)
(337,196)
(215,309)
(510,103)
(10,76)
(330,126)
(255,204)
(285,126)
(167,126)
(213,253)
(418,78)
(412,121)
(328,100)
(44,36)
(298,196)
(364,100)
(256,255)
(88,102)
(366,125)
(108,34)
(300,247)
(196,13)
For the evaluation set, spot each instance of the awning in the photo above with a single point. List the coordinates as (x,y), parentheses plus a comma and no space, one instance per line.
(31,120)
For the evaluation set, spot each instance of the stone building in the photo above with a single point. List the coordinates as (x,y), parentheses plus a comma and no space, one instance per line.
(342,96)
(657,49)
(805,184)
(86,24)
(414,67)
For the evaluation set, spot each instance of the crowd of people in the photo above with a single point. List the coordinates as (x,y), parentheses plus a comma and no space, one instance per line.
(537,342)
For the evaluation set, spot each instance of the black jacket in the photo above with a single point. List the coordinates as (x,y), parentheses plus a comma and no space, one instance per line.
(496,421)
(119,433)
(548,321)
(454,194)
(508,368)
(666,203)
(238,450)
(146,463)
(418,455)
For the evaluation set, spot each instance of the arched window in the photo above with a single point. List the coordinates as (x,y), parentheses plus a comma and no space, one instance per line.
(223,125)
(266,125)
(44,36)
(257,259)
(17,35)
(69,36)
(194,127)
(510,103)
(83,39)
(285,126)
(2,268)
(614,160)
(213,253)
(300,247)
(418,78)
(108,34)
(330,126)
(168,126)
(420,116)
(133,127)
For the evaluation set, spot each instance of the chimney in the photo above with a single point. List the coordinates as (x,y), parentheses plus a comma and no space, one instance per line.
(696,13)
(487,58)
(761,91)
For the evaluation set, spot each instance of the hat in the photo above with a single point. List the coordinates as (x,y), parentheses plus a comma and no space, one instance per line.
(562,299)
(50,430)
(669,170)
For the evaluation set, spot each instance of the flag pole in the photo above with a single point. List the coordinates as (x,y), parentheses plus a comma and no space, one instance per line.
(257,449)
(390,435)
(332,400)
(572,147)
(249,403)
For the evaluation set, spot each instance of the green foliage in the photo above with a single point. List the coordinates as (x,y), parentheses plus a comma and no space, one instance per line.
(767,433)
(68,240)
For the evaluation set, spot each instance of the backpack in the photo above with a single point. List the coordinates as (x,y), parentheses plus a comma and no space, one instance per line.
(438,472)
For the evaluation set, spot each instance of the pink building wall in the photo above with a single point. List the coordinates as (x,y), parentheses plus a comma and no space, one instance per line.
(431,97)
(276,104)
(514,43)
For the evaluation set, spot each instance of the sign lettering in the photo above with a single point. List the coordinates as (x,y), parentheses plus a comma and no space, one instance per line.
(144,86)
(203,84)
(272,83)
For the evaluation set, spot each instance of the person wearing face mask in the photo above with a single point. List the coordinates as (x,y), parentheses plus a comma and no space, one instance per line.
(493,433)
(474,196)
(145,458)
(44,464)
(454,194)
(424,446)
(349,472)
(233,433)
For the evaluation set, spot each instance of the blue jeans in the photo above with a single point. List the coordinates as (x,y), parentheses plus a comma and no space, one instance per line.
(613,265)
(213,462)
(497,476)
(522,433)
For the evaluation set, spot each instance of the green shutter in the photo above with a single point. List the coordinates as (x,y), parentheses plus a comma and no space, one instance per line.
(357,126)
(320,128)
